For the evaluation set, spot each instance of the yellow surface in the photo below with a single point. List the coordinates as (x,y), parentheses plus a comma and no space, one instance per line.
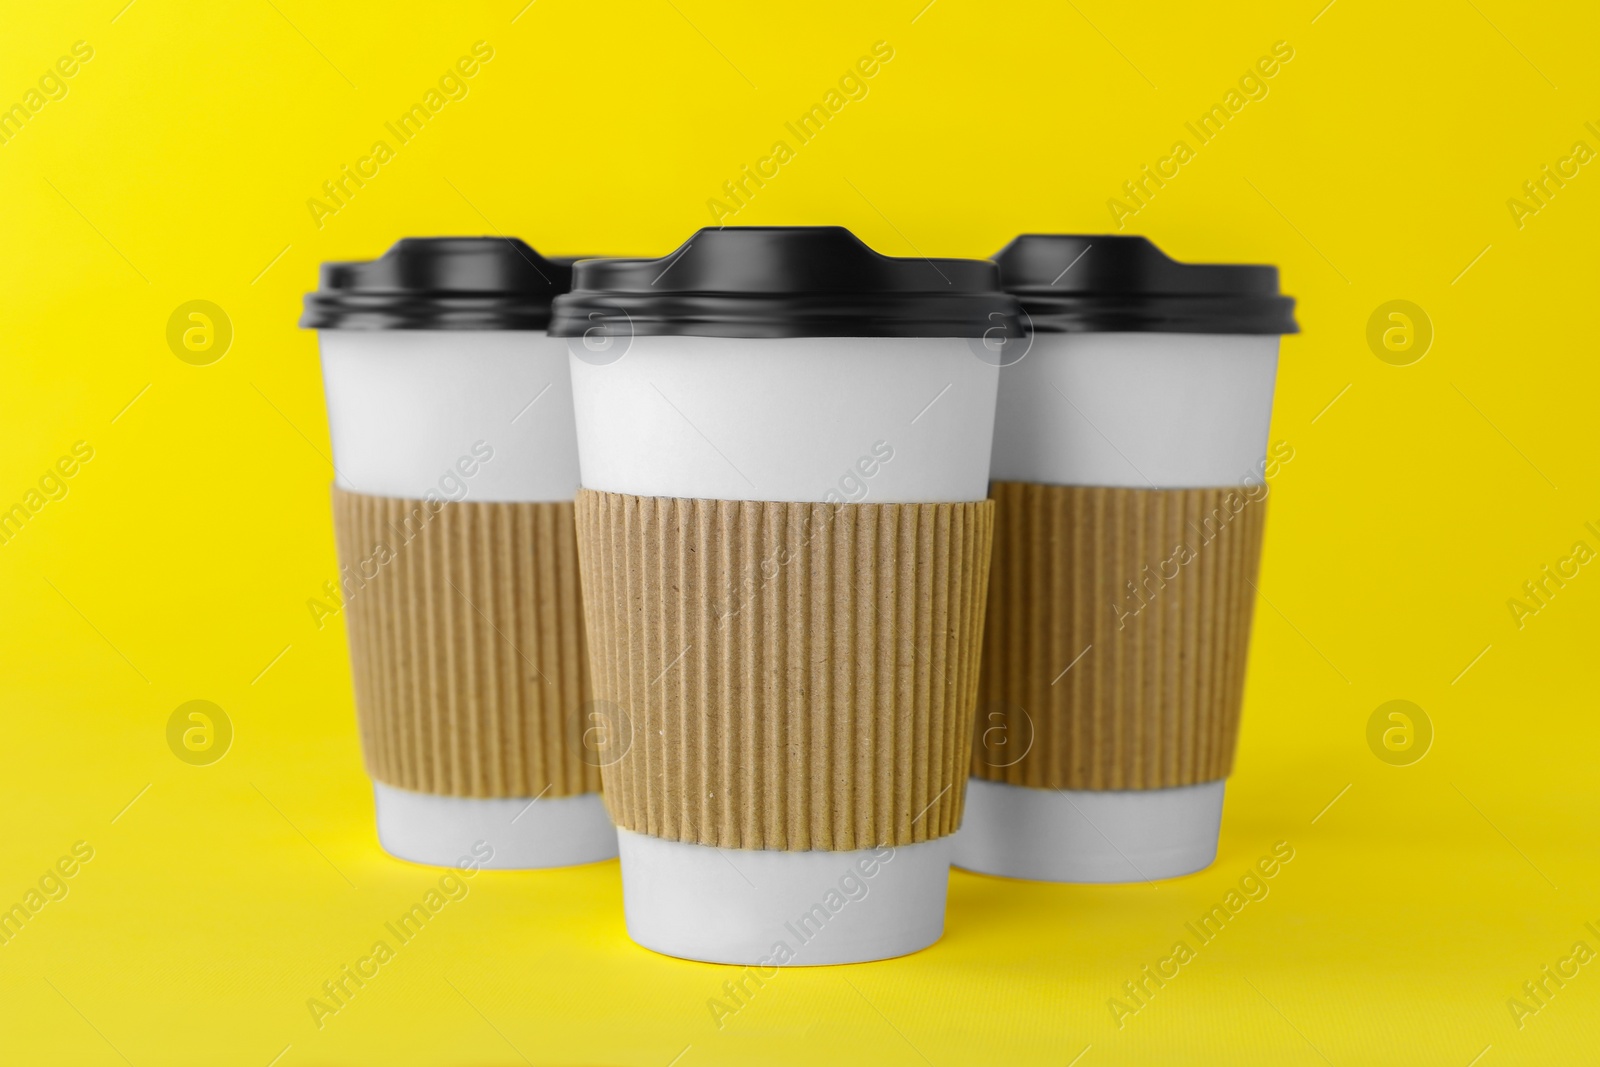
(177,567)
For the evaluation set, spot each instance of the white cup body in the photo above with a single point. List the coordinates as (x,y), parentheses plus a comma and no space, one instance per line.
(788,419)
(1084,835)
(406,409)
(462,415)
(1139,410)
(522,833)
(806,419)
(1133,410)
(738,905)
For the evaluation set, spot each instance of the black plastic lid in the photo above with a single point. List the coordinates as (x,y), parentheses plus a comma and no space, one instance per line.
(440,283)
(1072,283)
(785,281)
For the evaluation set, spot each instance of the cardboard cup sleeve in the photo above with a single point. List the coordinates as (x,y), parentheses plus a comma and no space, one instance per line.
(467,645)
(789,676)
(1118,624)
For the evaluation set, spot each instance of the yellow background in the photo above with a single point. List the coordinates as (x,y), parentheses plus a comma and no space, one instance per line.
(178,566)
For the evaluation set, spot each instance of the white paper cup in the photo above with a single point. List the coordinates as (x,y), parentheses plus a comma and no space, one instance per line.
(440,388)
(1126,399)
(818,418)
(684,417)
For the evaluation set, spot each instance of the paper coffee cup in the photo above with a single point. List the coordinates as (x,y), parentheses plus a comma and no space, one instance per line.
(784,440)
(1129,469)
(456,463)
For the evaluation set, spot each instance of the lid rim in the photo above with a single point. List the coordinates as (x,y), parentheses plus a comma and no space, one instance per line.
(1227,314)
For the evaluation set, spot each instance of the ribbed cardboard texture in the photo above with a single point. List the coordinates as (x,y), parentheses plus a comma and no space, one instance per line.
(790,676)
(467,645)
(1147,596)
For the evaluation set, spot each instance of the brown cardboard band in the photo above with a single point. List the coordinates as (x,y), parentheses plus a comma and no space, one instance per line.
(467,645)
(785,675)
(1119,621)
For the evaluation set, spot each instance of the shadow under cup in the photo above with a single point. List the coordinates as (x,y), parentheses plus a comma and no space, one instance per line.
(456,465)
(1129,474)
(784,441)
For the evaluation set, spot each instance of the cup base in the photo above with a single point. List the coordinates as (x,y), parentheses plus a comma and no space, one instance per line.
(1069,835)
(766,908)
(523,833)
